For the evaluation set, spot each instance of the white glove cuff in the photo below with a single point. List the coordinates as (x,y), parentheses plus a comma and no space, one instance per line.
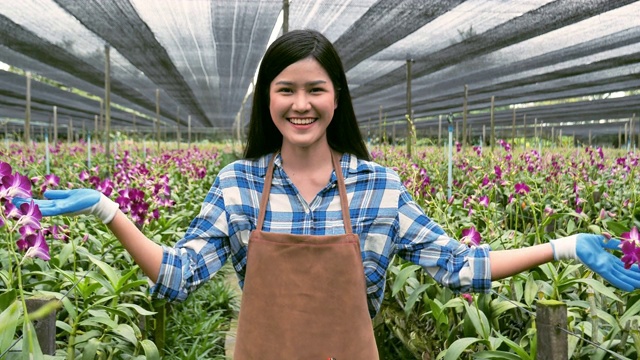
(105,209)
(565,248)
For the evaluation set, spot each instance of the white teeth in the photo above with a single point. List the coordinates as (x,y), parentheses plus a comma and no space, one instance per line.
(304,121)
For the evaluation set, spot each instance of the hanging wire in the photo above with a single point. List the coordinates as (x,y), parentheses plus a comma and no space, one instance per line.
(533,315)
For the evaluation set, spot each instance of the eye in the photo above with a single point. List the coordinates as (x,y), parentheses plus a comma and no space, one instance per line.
(285,90)
(317,90)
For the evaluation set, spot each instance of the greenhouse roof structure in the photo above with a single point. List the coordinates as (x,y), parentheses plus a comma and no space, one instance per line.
(562,63)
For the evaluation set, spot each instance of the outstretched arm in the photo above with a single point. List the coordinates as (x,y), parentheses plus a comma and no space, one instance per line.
(146,253)
(591,250)
(505,263)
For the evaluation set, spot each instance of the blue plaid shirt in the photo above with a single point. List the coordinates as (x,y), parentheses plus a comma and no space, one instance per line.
(382,212)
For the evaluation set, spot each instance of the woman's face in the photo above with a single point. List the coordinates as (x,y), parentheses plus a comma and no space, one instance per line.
(302,100)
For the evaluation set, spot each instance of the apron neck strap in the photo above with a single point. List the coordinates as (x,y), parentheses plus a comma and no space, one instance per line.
(344,204)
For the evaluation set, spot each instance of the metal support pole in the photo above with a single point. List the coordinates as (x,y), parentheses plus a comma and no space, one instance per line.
(439,129)
(157,119)
(178,122)
(524,132)
(464,116)
(107,101)
(285,16)
(493,124)
(27,115)
(513,128)
(55,125)
(380,124)
(409,112)
(189,130)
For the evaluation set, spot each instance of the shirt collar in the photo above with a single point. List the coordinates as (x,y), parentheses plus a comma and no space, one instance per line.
(348,162)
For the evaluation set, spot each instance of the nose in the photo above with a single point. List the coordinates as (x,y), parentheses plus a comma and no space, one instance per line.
(301,102)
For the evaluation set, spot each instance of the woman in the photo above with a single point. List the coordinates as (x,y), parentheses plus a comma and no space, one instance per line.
(311,224)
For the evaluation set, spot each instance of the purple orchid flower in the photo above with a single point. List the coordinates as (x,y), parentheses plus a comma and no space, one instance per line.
(484,200)
(84,175)
(50,180)
(498,171)
(35,245)
(31,215)
(471,237)
(5,169)
(11,211)
(16,185)
(522,188)
(630,245)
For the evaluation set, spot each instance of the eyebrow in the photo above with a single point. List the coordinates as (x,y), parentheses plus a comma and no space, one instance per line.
(310,83)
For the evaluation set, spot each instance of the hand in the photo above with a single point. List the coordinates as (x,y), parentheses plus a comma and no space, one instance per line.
(591,250)
(75,202)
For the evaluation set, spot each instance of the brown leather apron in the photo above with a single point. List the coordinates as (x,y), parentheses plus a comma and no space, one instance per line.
(304,296)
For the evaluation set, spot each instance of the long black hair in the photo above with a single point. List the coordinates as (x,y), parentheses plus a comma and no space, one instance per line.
(343,133)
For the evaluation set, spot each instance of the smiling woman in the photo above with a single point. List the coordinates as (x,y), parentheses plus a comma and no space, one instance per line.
(301,102)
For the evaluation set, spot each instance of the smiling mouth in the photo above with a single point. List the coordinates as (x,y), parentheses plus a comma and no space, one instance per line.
(301,121)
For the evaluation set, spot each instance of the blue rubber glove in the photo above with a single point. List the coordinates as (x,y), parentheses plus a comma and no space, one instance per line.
(75,202)
(591,250)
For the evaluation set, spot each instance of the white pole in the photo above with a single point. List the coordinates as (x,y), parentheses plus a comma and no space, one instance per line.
(450,172)
(46,152)
(89,150)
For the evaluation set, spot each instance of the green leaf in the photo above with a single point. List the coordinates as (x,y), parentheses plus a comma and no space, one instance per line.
(571,226)
(458,347)
(479,321)
(127,333)
(89,351)
(499,306)
(102,280)
(7,299)
(65,253)
(436,311)
(629,313)
(522,354)
(111,274)
(598,287)
(494,354)
(415,294)
(595,229)
(125,278)
(88,336)
(69,307)
(615,228)
(99,321)
(133,284)
(30,346)
(139,309)
(401,278)
(150,349)
(530,290)
(9,320)
(64,326)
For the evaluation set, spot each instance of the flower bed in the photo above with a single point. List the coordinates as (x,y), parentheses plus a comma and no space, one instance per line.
(509,199)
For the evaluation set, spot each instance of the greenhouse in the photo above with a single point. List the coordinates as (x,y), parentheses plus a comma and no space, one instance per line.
(510,124)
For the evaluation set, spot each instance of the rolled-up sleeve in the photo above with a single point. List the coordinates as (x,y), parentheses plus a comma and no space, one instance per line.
(199,255)
(451,263)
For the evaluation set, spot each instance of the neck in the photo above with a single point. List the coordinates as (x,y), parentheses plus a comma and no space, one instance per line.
(306,158)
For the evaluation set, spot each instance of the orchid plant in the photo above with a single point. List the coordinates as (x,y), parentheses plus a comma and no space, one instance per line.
(23,222)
